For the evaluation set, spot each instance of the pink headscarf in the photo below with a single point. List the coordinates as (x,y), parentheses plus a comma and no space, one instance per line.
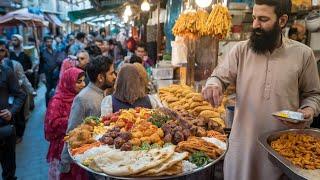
(66,87)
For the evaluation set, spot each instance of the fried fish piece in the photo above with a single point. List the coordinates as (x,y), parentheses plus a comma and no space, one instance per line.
(194,105)
(203,108)
(198,98)
(209,114)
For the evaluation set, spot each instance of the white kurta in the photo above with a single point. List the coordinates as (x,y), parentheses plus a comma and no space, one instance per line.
(287,79)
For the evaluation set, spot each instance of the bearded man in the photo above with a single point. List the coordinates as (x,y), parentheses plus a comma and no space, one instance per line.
(271,73)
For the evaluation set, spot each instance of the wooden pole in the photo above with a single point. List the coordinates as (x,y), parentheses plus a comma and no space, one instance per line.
(215,52)
(191,60)
(158,32)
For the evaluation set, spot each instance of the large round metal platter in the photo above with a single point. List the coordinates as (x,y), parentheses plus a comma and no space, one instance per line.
(152,177)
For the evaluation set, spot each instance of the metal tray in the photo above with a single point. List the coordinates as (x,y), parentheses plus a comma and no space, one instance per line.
(152,177)
(292,171)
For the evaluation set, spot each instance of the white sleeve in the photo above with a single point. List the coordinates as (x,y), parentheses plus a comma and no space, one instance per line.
(106,105)
(155,101)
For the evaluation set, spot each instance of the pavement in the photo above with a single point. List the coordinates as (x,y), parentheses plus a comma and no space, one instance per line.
(31,152)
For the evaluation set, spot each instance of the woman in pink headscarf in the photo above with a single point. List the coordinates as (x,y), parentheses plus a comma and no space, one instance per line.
(56,119)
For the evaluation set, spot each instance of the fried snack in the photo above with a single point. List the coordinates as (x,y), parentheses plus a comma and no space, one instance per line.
(145,131)
(219,121)
(194,144)
(80,136)
(195,104)
(199,109)
(217,135)
(209,114)
(171,99)
(197,98)
(301,149)
(84,148)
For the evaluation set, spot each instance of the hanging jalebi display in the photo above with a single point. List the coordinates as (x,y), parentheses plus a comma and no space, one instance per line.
(219,22)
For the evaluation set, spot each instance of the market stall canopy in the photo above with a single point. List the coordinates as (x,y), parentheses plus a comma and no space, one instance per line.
(75,15)
(52,18)
(22,16)
(105,7)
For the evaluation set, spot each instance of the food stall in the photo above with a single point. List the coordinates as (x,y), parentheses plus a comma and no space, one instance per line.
(187,137)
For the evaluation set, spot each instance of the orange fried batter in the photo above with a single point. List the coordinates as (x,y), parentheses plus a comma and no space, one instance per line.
(301,149)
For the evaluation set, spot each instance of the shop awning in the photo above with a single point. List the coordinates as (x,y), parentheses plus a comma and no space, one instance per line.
(52,18)
(75,15)
(22,16)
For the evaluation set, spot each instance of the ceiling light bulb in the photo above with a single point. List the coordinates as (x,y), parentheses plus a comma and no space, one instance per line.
(145,6)
(203,3)
(127,11)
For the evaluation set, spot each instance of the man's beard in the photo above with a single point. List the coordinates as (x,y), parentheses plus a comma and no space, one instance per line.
(106,85)
(265,41)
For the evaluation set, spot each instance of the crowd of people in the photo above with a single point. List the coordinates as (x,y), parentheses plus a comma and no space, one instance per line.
(83,75)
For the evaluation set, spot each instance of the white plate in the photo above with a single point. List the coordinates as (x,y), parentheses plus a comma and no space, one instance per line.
(290,116)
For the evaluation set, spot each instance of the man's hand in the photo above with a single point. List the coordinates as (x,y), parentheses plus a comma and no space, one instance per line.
(308,114)
(6,114)
(213,94)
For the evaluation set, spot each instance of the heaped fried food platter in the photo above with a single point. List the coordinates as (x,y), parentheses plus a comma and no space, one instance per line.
(182,98)
(296,152)
(146,143)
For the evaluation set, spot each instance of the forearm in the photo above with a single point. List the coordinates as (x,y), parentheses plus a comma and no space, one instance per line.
(312,101)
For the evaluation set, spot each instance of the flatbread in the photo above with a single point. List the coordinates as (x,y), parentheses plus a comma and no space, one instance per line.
(173,170)
(125,163)
(174,159)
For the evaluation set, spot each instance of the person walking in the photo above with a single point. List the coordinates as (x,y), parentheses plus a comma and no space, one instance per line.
(9,85)
(57,114)
(50,66)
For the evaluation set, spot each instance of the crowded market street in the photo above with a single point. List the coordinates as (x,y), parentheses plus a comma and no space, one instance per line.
(159,89)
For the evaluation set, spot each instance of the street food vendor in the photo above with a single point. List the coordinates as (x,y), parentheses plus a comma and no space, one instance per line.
(271,73)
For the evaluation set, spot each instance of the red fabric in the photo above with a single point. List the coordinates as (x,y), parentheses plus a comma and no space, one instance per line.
(76,173)
(131,44)
(66,64)
(56,119)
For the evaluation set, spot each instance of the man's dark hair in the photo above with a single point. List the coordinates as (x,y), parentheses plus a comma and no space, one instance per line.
(110,42)
(135,59)
(98,65)
(93,50)
(141,45)
(80,35)
(281,7)
(47,38)
(292,31)
(99,39)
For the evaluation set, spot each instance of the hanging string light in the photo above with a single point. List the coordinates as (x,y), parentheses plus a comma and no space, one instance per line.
(203,3)
(145,6)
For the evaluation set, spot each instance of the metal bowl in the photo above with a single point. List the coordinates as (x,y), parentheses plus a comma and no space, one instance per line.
(292,171)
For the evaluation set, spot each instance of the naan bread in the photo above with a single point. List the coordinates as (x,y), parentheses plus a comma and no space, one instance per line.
(175,169)
(125,163)
(174,159)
